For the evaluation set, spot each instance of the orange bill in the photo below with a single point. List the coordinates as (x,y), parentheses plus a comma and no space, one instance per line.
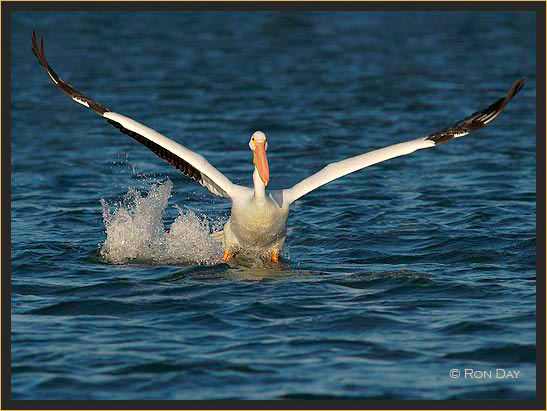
(261,162)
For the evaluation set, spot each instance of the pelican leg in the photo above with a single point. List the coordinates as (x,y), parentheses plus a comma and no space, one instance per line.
(275,257)
(227,256)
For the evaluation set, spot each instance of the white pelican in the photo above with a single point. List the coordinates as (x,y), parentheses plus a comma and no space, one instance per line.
(258,221)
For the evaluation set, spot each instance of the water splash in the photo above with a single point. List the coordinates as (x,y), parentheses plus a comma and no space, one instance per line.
(135,231)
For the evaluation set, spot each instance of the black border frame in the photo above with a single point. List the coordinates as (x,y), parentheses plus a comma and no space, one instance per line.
(535,6)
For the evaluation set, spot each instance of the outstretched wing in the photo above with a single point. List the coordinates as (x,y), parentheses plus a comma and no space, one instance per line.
(459,129)
(190,163)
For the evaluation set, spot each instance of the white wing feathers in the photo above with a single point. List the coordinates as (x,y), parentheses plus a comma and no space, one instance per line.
(341,168)
(191,164)
(336,170)
(199,169)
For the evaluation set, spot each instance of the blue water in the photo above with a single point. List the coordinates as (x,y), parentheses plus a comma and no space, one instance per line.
(390,277)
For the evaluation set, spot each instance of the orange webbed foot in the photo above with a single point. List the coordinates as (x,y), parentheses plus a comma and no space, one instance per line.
(275,257)
(227,256)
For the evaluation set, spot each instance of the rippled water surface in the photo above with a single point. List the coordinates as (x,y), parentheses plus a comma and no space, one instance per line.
(390,277)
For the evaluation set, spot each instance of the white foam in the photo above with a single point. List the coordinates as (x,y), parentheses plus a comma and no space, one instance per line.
(135,231)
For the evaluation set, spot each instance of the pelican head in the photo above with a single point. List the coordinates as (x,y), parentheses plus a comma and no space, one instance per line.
(259,145)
